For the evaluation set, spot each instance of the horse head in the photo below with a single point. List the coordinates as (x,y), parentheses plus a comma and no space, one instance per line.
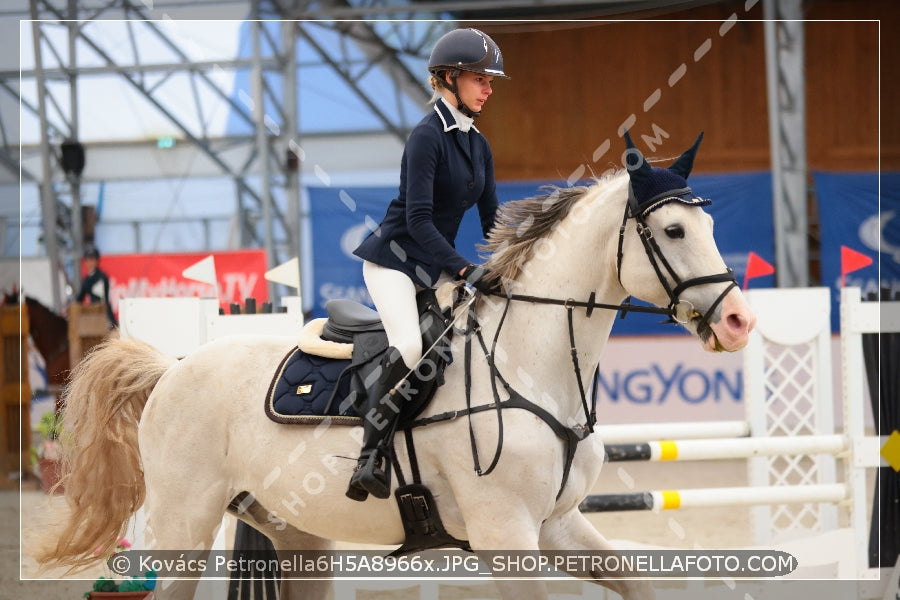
(50,333)
(665,224)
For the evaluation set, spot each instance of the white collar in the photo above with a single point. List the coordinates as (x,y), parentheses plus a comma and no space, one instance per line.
(462,122)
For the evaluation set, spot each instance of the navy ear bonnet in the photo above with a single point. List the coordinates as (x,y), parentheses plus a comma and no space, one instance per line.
(652,187)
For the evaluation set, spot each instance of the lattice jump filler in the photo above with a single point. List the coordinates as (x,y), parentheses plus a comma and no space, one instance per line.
(787,374)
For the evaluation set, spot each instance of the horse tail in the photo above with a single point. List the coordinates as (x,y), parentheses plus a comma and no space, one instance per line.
(104,479)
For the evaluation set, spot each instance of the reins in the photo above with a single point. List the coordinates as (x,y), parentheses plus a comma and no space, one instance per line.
(571,435)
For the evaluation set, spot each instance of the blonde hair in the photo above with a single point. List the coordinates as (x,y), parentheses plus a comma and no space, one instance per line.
(437,84)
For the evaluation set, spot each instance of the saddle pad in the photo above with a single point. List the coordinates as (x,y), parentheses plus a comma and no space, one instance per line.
(302,387)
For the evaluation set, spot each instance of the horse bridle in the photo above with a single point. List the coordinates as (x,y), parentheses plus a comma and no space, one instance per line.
(572,435)
(656,258)
(658,261)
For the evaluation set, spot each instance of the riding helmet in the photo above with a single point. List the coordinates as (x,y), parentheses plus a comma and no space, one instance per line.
(467,50)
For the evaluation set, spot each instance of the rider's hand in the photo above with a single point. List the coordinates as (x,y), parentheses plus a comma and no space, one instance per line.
(476,277)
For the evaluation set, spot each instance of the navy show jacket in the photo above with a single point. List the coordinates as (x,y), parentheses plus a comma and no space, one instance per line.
(443,173)
(95,287)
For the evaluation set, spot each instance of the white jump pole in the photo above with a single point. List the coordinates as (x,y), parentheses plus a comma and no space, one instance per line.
(657,500)
(620,434)
(724,449)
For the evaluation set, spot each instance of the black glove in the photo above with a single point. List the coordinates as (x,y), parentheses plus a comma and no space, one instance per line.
(477,276)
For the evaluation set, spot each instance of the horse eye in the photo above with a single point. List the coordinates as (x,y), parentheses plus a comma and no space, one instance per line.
(675,231)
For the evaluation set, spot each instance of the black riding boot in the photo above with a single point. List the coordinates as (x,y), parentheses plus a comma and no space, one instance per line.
(381,410)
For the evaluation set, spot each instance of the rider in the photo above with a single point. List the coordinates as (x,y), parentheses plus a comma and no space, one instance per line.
(447,167)
(95,286)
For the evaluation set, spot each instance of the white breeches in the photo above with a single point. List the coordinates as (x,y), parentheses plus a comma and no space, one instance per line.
(394,296)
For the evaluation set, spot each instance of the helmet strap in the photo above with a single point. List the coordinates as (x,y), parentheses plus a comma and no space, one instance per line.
(460,105)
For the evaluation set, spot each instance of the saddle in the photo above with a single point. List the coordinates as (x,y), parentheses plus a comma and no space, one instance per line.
(336,360)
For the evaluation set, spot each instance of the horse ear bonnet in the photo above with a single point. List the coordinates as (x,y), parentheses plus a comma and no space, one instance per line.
(652,187)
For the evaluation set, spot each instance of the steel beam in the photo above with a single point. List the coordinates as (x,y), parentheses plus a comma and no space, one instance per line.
(75,179)
(48,200)
(784,41)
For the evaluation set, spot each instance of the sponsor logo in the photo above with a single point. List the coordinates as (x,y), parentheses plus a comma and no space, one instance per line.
(352,238)
(872,234)
(680,383)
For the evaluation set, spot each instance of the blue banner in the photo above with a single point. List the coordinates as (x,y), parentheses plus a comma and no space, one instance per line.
(852,214)
(341,218)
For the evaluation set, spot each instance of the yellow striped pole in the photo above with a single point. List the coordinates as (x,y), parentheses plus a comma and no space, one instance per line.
(722,449)
(714,497)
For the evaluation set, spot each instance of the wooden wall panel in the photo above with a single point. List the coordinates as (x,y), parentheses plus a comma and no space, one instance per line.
(575,83)
(842,97)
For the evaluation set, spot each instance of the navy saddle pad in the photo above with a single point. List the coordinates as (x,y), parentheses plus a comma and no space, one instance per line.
(308,388)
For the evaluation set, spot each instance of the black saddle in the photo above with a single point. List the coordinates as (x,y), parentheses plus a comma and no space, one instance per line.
(352,322)
(349,321)
(346,318)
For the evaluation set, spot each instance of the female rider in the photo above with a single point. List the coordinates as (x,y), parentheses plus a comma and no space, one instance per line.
(447,168)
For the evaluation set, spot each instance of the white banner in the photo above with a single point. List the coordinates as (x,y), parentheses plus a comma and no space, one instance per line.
(658,379)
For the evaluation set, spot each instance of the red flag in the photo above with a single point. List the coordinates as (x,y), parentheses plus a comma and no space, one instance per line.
(756,267)
(851,260)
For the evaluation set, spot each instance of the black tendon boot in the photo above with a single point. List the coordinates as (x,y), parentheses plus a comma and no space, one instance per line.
(381,410)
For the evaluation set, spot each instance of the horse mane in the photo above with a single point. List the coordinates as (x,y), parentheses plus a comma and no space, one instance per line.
(521,224)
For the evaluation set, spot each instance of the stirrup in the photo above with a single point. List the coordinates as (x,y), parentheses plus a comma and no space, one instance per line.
(356,492)
(371,477)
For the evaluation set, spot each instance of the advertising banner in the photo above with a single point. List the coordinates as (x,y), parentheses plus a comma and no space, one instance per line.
(648,379)
(341,218)
(239,275)
(656,379)
(854,216)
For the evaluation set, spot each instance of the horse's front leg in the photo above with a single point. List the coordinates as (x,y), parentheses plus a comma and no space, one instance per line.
(512,543)
(572,531)
(497,528)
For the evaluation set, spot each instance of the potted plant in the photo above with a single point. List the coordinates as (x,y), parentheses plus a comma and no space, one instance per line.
(133,588)
(47,453)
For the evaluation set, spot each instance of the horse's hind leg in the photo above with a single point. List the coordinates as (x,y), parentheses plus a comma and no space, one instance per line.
(289,543)
(182,525)
(574,532)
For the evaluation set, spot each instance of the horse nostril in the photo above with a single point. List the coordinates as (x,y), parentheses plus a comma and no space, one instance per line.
(736,322)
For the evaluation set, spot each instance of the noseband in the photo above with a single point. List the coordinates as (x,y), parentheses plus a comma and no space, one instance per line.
(659,262)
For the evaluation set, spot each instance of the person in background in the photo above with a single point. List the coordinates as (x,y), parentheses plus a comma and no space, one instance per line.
(95,286)
(446,169)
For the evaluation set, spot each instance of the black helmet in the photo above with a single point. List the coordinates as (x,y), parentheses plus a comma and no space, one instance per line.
(91,252)
(467,50)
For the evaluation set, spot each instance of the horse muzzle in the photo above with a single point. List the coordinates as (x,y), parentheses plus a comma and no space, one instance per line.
(728,329)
